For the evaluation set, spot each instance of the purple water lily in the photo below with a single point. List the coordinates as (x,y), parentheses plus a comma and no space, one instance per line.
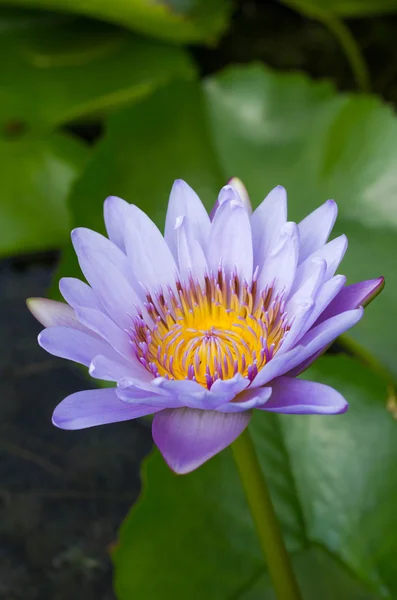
(205,324)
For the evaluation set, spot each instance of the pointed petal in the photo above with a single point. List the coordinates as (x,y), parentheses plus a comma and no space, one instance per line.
(187,438)
(332,253)
(301,397)
(83,238)
(51,313)
(74,345)
(95,407)
(78,293)
(352,296)
(241,192)
(116,294)
(184,202)
(191,259)
(115,214)
(267,221)
(150,260)
(299,325)
(309,287)
(315,229)
(279,266)
(326,294)
(230,241)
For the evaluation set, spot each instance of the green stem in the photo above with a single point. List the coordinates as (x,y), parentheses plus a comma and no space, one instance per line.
(365,357)
(351,50)
(344,36)
(265,519)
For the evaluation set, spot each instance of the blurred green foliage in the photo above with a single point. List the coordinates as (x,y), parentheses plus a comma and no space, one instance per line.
(177,21)
(333,480)
(344,8)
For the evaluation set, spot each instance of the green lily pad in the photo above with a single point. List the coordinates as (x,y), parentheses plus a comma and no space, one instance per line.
(36,178)
(334,485)
(63,69)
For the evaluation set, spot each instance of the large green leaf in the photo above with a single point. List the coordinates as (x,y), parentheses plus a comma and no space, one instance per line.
(343,8)
(334,484)
(36,177)
(172,20)
(61,69)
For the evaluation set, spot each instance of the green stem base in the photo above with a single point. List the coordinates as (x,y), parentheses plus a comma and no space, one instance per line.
(264,518)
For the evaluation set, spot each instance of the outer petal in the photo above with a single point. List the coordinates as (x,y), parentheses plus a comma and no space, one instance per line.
(193,395)
(352,296)
(299,325)
(78,293)
(135,391)
(315,340)
(360,294)
(103,325)
(315,229)
(95,407)
(184,393)
(326,294)
(242,193)
(298,396)
(150,259)
(279,268)
(230,241)
(115,214)
(112,288)
(187,438)
(332,253)
(184,202)
(267,222)
(309,287)
(247,400)
(51,313)
(73,344)
(109,369)
(95,242)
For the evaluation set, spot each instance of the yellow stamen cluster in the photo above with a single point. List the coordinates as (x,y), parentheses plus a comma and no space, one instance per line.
(208,331)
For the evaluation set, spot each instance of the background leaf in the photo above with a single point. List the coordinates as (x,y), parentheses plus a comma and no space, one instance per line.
(343,8)
(334,487)
(62,69)
(36,177)
(173,20)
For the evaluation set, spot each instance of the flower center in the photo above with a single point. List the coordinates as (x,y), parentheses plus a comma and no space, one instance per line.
(210,332)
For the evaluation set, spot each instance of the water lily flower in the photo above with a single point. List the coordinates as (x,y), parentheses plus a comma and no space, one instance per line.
(204,324)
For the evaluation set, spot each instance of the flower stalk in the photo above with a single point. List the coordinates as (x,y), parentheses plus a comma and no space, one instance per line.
(264,517)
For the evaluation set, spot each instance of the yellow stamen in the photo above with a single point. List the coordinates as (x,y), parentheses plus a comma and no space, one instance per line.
(211,331)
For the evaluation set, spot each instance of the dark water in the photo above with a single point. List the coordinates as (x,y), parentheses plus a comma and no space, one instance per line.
(62,494)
